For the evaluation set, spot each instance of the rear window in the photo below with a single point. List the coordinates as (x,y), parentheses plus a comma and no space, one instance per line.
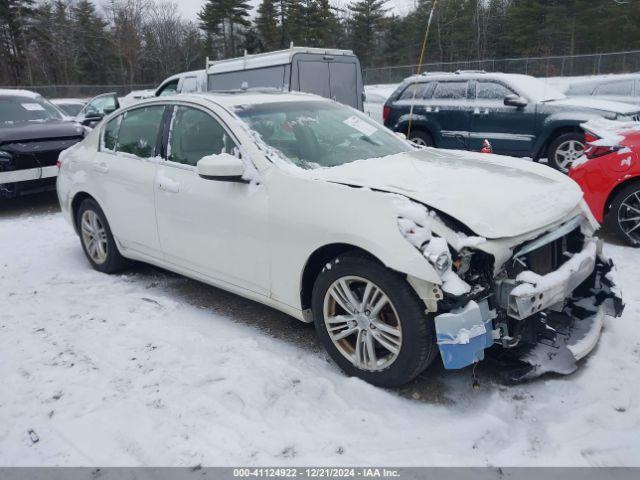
(450,90)
(27,109)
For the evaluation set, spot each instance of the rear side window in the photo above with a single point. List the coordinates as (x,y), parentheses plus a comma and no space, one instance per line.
(491,91)
(139,131)
(110,136)
(624,89)
(419,88)
(270,77)
(451,90)
(196,134)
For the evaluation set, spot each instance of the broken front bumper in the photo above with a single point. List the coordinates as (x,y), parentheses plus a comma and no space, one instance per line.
(564,311)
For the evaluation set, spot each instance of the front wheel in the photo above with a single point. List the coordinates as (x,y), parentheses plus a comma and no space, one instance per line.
(624,214)
(420,138)
(371,322)
(565,150)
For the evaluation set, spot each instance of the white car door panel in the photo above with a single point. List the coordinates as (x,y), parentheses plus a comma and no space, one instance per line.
(125,178)
(216,228)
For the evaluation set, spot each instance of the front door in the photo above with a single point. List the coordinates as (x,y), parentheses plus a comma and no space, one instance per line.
(509,129)
(212,227)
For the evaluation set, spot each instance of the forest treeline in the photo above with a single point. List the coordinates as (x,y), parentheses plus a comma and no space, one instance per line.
(143,41)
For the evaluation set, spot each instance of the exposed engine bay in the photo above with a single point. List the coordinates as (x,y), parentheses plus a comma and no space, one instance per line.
(541,311)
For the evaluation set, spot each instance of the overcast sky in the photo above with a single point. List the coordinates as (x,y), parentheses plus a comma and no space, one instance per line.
(190,8)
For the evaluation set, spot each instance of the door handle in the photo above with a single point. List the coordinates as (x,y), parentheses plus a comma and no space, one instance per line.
(480,111)
(168,185)
(101,167)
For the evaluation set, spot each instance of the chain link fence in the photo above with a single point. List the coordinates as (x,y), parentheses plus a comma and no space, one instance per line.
(556,66)
(82,91)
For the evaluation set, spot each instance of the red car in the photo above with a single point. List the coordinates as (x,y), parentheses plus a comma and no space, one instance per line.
(609,175)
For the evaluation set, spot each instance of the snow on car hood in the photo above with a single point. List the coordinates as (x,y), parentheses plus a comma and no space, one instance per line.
(595,104)
(494,196)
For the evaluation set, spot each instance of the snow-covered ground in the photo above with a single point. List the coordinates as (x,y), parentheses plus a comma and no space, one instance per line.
(148,368)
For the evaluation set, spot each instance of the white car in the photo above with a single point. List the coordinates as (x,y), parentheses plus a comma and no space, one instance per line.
(309,206)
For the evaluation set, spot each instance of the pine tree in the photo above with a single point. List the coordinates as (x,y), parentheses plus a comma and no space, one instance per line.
(267,24)
(366,25)
(226,17)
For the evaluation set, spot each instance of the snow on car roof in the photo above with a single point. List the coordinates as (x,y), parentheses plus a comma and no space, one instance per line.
(531,87)
(278,57)
(10,92)
(234,99)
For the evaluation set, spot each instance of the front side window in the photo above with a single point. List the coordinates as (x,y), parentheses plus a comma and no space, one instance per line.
(169,89)
(491,91)
(18,109)
(450,90)
(314,134)
(196,134)
(139,130)
(415,90)
(189,84)
(623,89)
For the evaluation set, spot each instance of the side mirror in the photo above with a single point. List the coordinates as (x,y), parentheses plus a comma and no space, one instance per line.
(515,101)
(91,119)
(222,166)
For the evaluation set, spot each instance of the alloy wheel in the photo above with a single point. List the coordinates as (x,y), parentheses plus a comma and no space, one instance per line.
(629,216)
(362,323)
(567,153)
(94,236)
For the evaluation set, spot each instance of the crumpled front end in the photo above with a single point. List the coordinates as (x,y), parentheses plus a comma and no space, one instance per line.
(542,312)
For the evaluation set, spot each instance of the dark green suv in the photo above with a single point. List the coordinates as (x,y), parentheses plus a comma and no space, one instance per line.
(520,115)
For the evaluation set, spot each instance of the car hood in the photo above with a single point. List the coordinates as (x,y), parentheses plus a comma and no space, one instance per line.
(596,104)
(22,132)
(495,196)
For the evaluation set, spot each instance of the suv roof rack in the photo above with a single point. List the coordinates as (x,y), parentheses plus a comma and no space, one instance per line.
(458,72)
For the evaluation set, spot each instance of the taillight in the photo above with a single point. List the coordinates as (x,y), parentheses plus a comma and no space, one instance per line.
(595,151)
(386,110)
(592,150)
(58,164)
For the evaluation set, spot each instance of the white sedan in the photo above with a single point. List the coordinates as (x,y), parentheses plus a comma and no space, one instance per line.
(395,252)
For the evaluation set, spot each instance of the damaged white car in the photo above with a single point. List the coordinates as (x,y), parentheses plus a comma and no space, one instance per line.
(395,253)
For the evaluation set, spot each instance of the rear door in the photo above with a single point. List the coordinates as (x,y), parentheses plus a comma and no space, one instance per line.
(124,173)
(509,129)
(449,108)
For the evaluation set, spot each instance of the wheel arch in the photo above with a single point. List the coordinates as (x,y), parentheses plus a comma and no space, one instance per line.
(77,200)
(554,133)
(316,262)
(614,192)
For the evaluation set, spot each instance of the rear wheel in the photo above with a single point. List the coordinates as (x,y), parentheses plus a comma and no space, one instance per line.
(97,241)
(624,214)
(371,322)
(565,150)
(421,138)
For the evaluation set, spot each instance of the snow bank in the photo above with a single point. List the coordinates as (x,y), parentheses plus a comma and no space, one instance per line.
(132,370)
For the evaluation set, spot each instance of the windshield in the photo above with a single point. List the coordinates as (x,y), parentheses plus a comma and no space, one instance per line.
(27,109)
(315,134)
(535,89)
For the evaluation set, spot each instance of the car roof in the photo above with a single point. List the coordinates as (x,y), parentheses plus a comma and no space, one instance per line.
(268,59)
(10,92)
(467,75)
(233,99)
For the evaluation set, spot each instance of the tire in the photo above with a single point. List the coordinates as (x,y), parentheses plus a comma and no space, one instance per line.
(626,205)
(416,338)
(564,150)
(420,137)
(103,254)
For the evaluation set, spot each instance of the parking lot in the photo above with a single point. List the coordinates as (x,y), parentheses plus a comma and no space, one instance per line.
(147,367)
